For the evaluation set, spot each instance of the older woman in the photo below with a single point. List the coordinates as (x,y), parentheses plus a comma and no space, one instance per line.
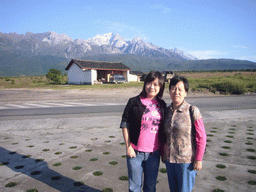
(185,138)
(142,123)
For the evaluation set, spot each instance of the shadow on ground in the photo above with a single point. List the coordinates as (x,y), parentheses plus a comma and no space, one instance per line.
(39,170)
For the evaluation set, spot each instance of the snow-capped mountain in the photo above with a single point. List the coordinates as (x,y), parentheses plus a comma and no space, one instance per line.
(52,43)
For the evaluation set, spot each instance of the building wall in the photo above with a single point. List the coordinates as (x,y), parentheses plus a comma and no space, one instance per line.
(78,76)
(93,75)
(132,77)
(126,75)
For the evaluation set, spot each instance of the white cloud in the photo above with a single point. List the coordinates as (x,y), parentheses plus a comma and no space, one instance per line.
(208,54)
(161,7)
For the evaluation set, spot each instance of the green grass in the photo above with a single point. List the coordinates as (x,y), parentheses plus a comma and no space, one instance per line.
(252,182)
(251,157)
(218,190)
(220,166)
(221,82)
(46,150)
(55,178)
(39,160)
(163,170)
(4,163)
(77,168)
(97,173)
(19,167)
(35,172)
(224,154)
(26,156)
(11,184)
(57,164)
(107,190)
(221,178)
(224,83)
(113,163)
(78,183)
(252,171)
(225,147)
(32,190)
(124,178)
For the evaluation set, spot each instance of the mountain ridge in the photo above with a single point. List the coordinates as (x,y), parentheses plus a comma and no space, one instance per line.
(34,54)
(109,43)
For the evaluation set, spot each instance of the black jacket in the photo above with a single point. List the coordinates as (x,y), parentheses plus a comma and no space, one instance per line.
(132,115)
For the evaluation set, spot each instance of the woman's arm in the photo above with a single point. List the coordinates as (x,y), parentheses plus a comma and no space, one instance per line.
(200,144)
(129,150)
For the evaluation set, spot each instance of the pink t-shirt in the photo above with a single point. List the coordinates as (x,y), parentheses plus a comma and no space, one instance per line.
(148,140)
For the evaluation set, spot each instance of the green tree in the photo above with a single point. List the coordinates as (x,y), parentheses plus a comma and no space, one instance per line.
(54,75)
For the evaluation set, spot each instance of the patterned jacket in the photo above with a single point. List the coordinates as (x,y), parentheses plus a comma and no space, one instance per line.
(180,146)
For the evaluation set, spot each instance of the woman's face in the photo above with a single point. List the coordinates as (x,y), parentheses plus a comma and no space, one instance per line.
(152,88)
(178,93)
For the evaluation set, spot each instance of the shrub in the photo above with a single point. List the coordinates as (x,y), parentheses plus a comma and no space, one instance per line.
(230,86)
(54,75)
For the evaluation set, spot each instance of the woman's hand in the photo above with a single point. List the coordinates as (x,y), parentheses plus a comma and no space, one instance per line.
(130,152)
(197,165)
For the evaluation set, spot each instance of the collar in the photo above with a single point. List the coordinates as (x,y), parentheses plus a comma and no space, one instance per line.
(181,108)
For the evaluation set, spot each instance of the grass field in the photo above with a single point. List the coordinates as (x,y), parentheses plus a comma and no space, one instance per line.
(215,82)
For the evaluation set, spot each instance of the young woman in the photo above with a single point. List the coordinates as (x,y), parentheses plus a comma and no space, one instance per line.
(185,143)
(142,126)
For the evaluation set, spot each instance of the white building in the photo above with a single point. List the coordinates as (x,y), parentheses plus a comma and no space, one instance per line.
(90,72)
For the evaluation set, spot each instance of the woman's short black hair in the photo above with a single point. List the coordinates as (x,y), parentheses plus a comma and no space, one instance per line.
(176,79)
(151,77)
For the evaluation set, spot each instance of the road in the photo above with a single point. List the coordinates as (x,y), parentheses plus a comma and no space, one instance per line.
(73,124)
(28,109)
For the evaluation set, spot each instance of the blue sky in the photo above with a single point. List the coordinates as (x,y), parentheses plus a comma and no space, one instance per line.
(204,28)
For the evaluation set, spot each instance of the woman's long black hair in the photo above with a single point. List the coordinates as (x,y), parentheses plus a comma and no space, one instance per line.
(151,77)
